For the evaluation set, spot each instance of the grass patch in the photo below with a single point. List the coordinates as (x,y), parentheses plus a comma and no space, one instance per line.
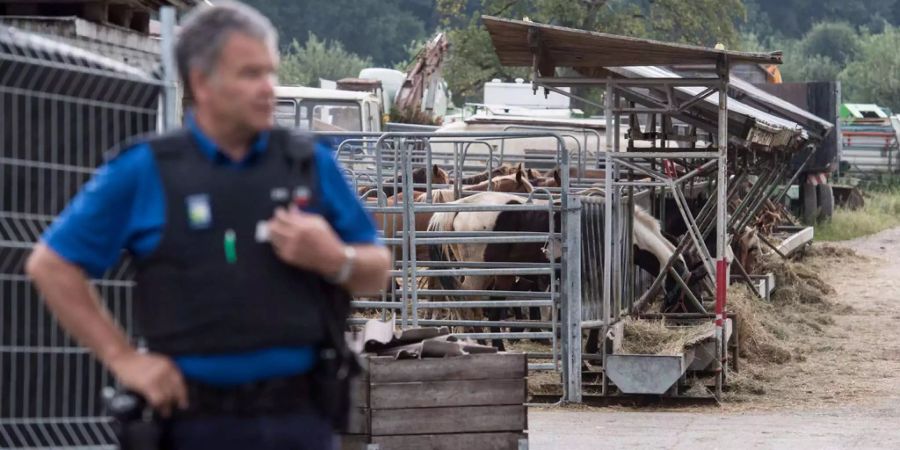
(882,211)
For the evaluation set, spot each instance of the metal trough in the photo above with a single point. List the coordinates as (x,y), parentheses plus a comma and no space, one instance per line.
(705,351)
(646,374)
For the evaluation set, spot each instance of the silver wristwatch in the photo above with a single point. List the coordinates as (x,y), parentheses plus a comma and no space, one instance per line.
(343,275)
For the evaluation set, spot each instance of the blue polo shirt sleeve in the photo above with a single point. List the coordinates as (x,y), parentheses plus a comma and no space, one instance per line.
(339,204)
(121,207)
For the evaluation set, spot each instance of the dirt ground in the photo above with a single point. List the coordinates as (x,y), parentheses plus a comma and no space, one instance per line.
(841,388)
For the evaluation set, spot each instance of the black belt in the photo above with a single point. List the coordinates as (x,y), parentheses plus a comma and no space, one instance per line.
(268,397)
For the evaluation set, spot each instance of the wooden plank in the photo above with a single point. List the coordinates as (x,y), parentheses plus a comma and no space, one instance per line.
(358,422)
(430,394)
(469,441)
(467,367)
(459,419)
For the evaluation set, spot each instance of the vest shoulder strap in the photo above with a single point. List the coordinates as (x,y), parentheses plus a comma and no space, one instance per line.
(160,144)
(298,146)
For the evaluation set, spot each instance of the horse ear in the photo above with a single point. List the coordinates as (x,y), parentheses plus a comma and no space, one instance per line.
(556,177)
(436,170)
(519,174)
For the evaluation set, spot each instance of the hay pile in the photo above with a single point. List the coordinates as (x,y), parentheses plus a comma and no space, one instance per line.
(796,283)
(654,337)
(801,305)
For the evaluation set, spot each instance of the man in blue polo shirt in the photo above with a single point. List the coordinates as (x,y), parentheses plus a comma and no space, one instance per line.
(241,234)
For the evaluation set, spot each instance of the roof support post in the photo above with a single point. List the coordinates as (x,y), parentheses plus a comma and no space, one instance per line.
(722,70)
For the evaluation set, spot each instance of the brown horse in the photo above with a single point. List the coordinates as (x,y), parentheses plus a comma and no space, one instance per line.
(391,223)
(505,169)
(550,179)
(419,176)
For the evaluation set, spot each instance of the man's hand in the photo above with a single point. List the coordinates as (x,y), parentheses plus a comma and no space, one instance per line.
(154,377)
(306,241)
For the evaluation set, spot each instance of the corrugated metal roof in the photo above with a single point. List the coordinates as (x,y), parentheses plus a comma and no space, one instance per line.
(777,104)
(569,47)
(765,128)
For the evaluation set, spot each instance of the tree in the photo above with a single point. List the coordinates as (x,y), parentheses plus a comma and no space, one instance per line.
(873,77)
(305,64)
(698,22)
(378,29)
(794,18)
(837,41)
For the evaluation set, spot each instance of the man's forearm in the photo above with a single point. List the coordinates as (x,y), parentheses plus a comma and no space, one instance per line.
(75,304)
(370,269)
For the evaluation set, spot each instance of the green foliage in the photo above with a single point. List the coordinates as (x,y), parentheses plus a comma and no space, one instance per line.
(794,18)
(873,77)
(881,211)
(837,41)
(377,29)
(472,62)
(305,64)
(698,22)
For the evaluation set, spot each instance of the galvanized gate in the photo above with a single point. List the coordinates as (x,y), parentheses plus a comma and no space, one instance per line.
(380,166)
(60,108)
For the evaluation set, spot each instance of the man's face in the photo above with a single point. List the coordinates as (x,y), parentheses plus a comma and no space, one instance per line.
(240,91)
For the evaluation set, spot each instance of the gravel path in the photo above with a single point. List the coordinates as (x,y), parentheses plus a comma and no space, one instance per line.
(844,394)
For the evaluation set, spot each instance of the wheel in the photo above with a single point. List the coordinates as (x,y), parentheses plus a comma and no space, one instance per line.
(810,204)
(825,196)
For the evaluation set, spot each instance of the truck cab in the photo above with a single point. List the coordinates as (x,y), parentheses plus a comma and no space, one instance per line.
(327,110)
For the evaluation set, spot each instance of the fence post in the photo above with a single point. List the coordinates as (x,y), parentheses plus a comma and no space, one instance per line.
(571,303)
(167,48)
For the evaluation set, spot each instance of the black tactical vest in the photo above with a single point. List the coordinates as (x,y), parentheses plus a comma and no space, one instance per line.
(197,296)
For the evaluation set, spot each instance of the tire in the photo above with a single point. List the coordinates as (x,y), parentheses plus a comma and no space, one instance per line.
(810,204)
(825,196)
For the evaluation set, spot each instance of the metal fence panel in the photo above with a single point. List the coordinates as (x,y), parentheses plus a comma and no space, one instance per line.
(60,108)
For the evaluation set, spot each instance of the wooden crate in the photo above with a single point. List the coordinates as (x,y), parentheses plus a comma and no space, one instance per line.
(467,402)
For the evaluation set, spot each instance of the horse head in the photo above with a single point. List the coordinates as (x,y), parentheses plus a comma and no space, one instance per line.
(439,175)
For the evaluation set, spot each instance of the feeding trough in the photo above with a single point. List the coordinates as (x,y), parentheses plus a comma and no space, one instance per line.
(646,374)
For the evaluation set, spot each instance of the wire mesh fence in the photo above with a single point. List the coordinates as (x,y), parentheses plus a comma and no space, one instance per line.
(60,108)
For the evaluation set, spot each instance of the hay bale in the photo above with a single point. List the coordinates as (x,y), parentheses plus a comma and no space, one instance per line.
(654,337)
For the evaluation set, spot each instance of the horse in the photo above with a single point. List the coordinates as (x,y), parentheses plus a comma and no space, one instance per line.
(516,182)
(419,176)
(652,250)
(503,169)
(513,183)
(551,179)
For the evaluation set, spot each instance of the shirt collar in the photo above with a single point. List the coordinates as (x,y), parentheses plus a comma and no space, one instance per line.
(216,155)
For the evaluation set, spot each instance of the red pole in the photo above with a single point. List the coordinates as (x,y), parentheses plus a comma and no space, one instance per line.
(721,291)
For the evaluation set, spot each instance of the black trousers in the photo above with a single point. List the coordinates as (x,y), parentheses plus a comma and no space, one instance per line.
(300,431)
(269,415)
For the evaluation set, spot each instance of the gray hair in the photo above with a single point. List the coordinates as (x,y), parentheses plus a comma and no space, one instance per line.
(205,30)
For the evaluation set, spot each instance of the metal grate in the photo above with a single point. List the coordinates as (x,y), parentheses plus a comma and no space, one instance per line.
(60,108)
